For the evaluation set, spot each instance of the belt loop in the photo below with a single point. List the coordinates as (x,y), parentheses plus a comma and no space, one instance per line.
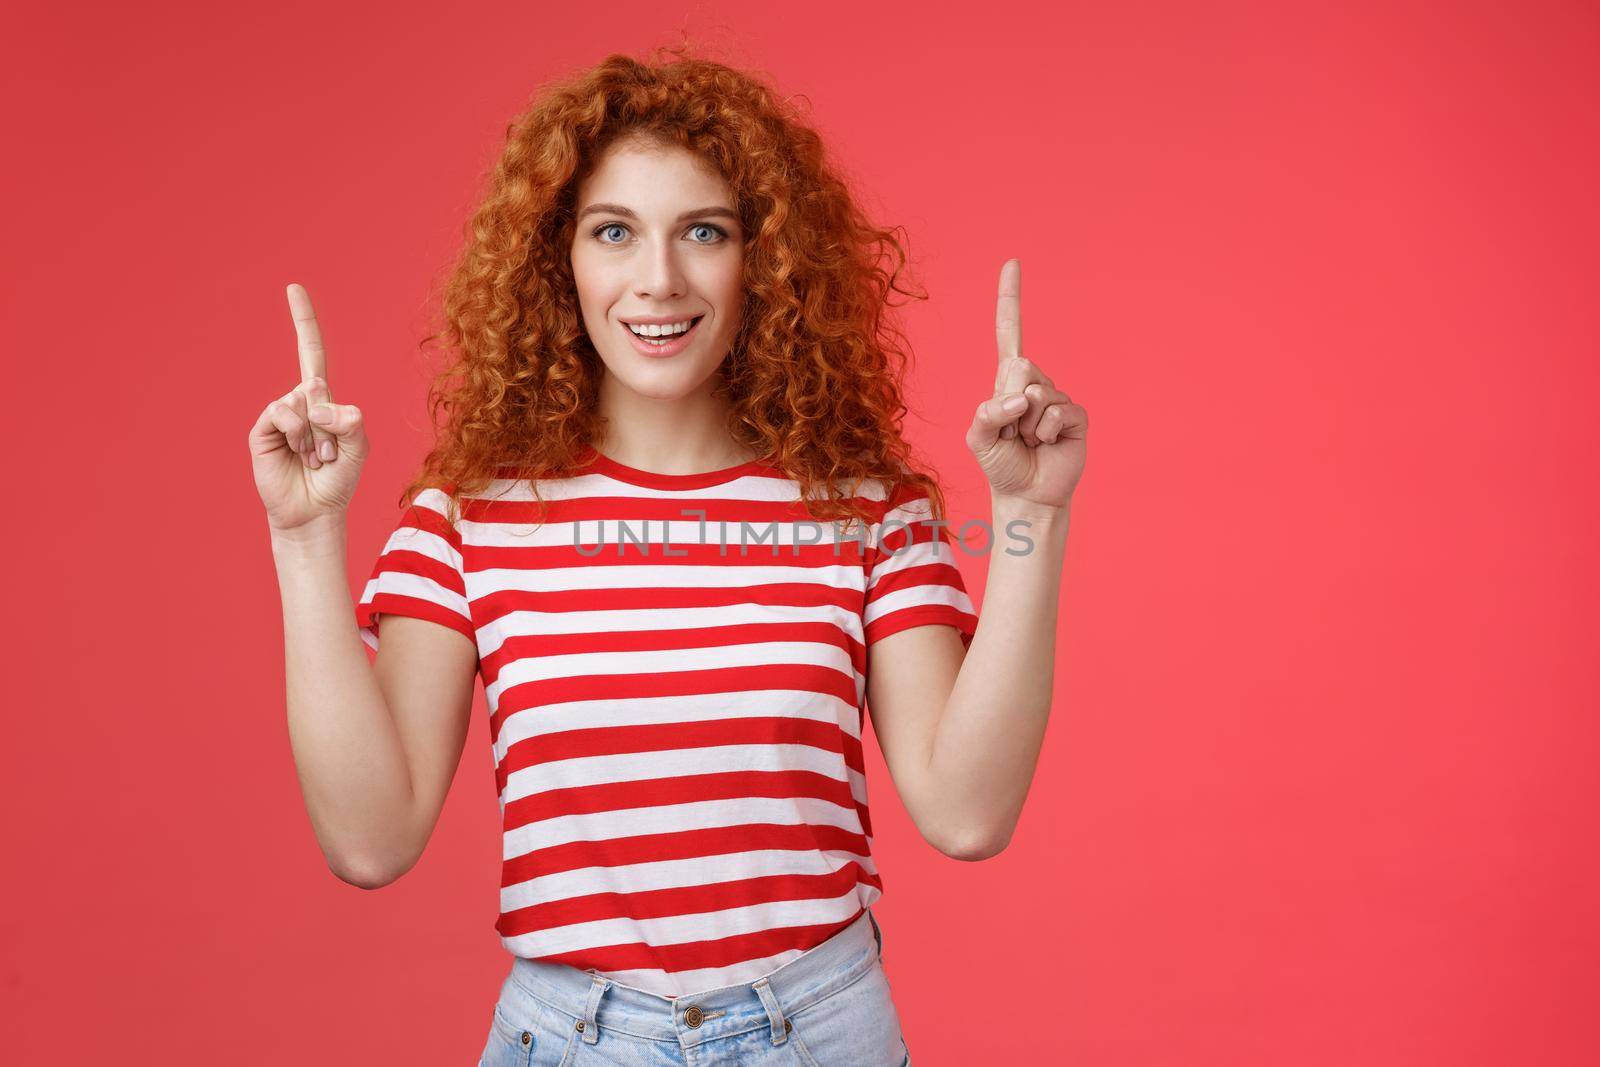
(780,1032)
(591,1031)
(876,933)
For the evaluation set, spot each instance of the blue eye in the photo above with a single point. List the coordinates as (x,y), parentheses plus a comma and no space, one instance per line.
(718,230)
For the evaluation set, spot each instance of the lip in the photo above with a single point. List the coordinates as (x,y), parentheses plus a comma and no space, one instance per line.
(671,348)
(657,320)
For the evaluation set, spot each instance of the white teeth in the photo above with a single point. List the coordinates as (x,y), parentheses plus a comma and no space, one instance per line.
(660,331)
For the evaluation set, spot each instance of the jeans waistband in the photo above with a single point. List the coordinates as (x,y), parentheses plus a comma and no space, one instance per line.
(604,1003)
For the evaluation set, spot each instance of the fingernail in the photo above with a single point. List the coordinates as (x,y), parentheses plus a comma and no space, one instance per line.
(325,450)
(1015,403)
(321,413)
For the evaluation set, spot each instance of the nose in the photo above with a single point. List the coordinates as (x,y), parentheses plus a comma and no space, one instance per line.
(660,274)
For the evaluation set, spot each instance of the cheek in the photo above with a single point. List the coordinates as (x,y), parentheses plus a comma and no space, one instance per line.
(722,279)
(730,305)
(583,284)
(589,271)
(596,297)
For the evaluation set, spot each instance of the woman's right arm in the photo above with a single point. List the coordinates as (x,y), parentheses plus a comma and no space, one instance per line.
(371,814)
(375,744)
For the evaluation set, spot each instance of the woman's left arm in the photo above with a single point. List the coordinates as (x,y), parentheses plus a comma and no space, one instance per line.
(987,739)
(963,750)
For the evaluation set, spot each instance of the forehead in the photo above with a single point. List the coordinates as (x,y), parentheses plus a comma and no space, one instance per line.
(654,179)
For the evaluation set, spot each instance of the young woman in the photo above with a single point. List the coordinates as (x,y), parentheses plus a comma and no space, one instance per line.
(672,523)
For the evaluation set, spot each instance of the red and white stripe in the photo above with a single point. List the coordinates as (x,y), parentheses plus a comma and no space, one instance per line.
(676,732)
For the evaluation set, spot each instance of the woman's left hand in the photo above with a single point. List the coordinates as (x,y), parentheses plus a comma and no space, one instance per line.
(1033,455)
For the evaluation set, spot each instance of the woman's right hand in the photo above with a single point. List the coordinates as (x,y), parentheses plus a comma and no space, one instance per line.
(297,485)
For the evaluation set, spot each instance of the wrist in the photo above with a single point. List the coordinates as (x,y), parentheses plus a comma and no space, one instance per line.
(318,537)
(1005,509)
(1040,525)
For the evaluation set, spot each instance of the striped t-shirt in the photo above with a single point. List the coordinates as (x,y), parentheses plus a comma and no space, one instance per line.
(676,720)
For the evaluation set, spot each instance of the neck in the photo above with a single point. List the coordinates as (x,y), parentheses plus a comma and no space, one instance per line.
(673,435)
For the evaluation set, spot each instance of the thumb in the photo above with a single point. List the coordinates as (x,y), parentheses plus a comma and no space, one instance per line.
(992,416)
(317,395)
(343,421)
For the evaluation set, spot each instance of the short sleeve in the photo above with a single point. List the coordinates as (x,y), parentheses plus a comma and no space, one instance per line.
(912,576)
(419,572)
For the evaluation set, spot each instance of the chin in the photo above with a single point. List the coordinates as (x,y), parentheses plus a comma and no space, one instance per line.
(666,381)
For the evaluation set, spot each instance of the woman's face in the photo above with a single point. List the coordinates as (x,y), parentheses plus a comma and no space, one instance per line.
(658,237)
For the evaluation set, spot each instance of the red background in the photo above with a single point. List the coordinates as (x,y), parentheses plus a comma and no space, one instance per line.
(1313,789)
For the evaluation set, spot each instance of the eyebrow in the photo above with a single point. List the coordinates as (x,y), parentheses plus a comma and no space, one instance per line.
(618,209)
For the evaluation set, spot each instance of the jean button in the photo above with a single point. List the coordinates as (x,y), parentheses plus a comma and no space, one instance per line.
(693,1016)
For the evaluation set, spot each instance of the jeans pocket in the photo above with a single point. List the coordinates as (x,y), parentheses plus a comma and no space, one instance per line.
(508,1045)
(854,1027)
(527,1032)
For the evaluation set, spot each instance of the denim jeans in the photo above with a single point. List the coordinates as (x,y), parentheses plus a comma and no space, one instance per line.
(828,1007)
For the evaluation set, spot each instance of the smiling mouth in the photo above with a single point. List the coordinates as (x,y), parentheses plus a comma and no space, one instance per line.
(667,343)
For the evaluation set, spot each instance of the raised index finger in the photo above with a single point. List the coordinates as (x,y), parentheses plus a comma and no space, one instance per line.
(1008,316)
(308,335)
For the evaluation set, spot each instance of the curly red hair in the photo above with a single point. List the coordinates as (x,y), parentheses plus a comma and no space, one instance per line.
(813,377)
